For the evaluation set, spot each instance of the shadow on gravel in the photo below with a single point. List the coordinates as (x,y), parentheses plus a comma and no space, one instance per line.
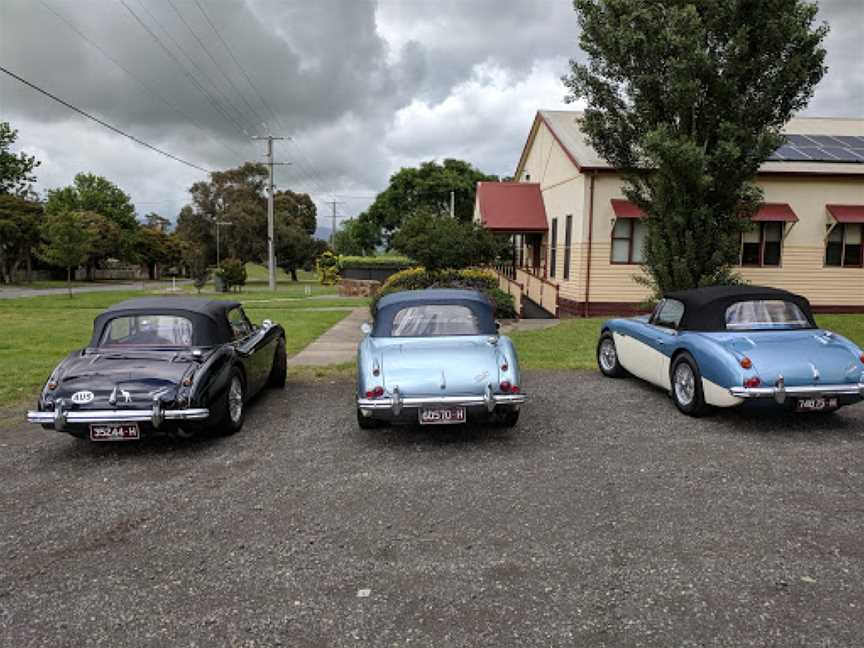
(439,436)
(762,421)
(75,449)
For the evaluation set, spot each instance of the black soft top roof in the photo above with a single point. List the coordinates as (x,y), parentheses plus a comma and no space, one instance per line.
(476,301)
(705,308)
(209,317)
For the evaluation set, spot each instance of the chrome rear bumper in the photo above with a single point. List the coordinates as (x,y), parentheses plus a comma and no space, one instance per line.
(396,402)
(156,415)
(780,392)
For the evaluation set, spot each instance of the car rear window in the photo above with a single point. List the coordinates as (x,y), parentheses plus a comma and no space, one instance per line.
(147,330)
(765,314)
(434,320)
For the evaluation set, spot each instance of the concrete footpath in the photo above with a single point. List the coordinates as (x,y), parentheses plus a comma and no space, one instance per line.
(16,292)
(338,345)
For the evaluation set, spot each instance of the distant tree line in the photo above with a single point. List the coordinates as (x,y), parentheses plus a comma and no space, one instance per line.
(92,223)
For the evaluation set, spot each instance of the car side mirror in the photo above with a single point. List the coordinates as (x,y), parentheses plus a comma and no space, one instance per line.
(366,328)
(266,324)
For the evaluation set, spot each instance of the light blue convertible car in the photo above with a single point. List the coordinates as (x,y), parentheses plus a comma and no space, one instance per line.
(435,357)
(722,346)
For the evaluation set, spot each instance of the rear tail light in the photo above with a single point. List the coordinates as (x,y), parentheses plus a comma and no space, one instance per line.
(376,392)
(862,358)
(746,362)
(752,382)
(52,384)
(505,386)
(514,389)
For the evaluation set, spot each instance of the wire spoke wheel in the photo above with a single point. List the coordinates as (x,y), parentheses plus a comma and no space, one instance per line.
(685,384)
(608,355)
(235,400)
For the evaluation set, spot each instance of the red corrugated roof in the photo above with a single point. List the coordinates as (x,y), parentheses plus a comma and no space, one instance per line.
(511,206)
(777,212)
(847,213)
(626,209)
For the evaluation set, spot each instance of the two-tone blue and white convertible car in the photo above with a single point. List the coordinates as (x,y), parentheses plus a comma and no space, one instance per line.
(435,357)
(722,346)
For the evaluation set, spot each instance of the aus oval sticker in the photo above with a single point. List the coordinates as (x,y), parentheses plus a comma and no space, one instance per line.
(82,397)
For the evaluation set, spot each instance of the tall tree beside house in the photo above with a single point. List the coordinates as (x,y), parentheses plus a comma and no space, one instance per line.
(16,169)
(19,235)
(426,187)
(687,98)
(68,240)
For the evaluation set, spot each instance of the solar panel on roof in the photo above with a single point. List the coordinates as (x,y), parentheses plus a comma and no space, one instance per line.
(820,148)
(792,154)
(800,140)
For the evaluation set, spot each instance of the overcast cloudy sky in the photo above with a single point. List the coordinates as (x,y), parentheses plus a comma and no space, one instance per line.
(362,87)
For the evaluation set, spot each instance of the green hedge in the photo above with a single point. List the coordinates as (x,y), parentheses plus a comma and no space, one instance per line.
(420,278)
(388,261)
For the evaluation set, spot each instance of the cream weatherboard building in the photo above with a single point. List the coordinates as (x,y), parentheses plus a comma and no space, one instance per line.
(577,240)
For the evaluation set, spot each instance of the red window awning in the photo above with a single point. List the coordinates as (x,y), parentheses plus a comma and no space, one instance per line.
(626,209)
(775,212)
(847,213)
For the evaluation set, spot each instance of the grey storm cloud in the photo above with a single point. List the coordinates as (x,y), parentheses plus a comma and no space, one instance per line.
(362,87)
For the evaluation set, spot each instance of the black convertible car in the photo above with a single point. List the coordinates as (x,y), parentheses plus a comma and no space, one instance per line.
(166,364)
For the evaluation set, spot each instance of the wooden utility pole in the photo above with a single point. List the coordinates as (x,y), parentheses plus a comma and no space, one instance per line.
(271,227)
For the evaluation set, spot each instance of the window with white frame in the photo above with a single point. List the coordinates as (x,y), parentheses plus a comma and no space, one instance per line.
(628,240)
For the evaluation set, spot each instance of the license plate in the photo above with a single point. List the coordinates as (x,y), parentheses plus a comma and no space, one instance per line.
(815,404)
(442,416)
(115,432)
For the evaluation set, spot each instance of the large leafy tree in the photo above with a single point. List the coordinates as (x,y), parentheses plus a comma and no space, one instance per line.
(357,237)
(235,196)
(426,187)
(90,192)
(16,169)
(68,239)
(687,98)
(296,209)
(19,234)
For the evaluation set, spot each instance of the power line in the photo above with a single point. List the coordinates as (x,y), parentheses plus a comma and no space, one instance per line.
(143,84)
(237,63)
(217,92)
(216,106)
(255,113)
(101,122)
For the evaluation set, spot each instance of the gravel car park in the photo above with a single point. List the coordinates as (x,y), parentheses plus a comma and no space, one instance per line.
(603,519)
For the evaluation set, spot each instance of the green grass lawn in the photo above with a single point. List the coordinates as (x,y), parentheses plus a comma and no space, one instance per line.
(571,344)
(39,331)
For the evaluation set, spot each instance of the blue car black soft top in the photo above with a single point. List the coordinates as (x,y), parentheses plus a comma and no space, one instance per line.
(476,301)
(705,308)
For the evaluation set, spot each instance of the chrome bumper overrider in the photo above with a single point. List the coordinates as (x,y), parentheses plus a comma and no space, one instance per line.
(396,403)
(155,415)
(780,392)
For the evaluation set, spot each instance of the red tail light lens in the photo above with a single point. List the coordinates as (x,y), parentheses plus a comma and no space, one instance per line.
(505,386)
(746,362)
(377,392)
(752,382)
(862,358)
(514,389)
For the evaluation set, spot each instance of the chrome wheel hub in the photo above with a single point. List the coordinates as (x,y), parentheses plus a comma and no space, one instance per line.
(235,399)
(608,355)
(685,384)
